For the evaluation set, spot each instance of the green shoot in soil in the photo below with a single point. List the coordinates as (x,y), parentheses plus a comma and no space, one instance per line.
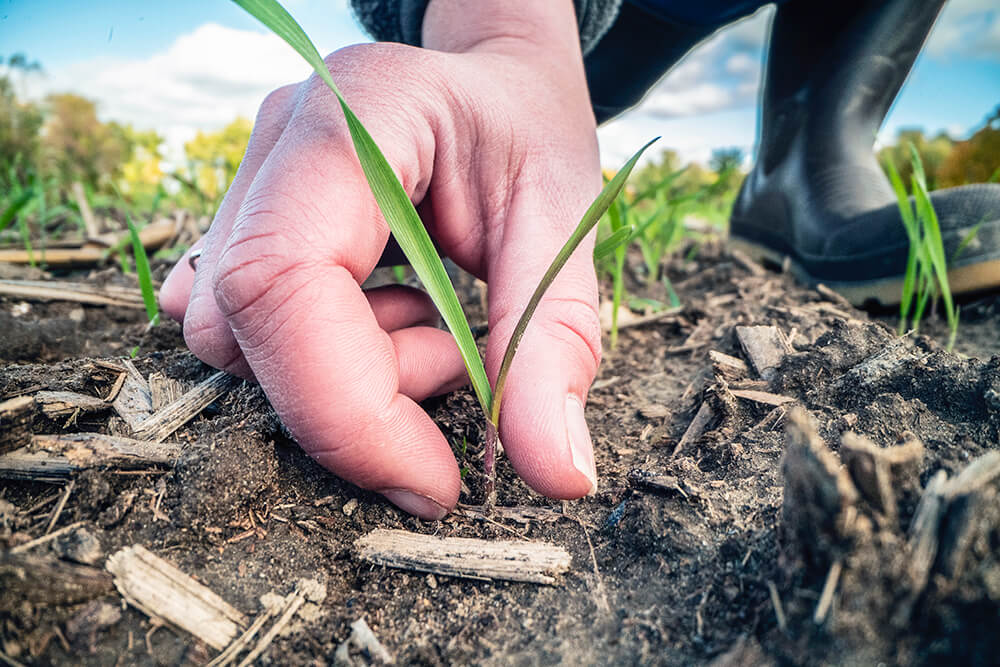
(143,272)
(412,236)
(926,277)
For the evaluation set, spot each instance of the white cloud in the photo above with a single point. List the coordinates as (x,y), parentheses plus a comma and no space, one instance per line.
(202,81)
(967,28)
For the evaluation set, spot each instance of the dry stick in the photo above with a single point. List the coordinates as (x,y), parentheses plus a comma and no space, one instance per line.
(779,611)
(695,428)
(59,508)
(601,596)
(38,541)
(53,458)
(55,290)
(533,562)
(296,600)
(234,649)
(60,403)
(164,422)
(89,221)
(763,397)
(650,319)
(116,387)
(829,586)
(7,660)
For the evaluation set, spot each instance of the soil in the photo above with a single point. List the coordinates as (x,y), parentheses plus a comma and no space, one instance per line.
(715,546)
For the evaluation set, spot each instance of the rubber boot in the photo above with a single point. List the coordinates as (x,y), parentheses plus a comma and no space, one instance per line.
(817,197)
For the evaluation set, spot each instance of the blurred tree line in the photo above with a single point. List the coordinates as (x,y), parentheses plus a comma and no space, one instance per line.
(49,147)
(58,146)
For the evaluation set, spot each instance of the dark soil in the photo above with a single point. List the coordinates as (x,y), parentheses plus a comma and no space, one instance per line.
(712,549)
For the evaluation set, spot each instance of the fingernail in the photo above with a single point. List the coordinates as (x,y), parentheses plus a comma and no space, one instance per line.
(580,447)
(415,504)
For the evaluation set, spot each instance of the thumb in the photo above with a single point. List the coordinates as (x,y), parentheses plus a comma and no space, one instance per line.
(542,425)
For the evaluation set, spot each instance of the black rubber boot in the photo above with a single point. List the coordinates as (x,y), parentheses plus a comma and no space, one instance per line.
(817,195)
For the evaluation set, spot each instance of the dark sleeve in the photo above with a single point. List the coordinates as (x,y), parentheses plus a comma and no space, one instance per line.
(401,20)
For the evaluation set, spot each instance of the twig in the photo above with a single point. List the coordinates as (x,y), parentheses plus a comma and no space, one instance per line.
(695,428)
(234,649)
(292,603)
(6,659)
(38,541)
(533,562)
(59,507)
(779,611)
(826,597)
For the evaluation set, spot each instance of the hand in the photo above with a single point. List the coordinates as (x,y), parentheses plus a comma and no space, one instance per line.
(493,137)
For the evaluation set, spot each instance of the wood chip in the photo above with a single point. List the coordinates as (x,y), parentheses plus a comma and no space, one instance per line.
(697,426)
(164,390)
(817,492)
(765,347)
(728,368)
(744,261)
(762,397)
(171,417)
(161,591)
(363,639)
(47,580)
(134,403)
(16,415)
(876,471)
(64,403)
(57,457)
(923,538)
(833,297)
(533,562)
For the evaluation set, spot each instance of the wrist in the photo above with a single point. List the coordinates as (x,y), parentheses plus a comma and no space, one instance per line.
(502,26)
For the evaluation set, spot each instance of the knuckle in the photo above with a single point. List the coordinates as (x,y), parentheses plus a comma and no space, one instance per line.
(258,255)
(576,324)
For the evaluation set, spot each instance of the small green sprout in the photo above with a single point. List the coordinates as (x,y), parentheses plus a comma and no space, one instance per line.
(926,277)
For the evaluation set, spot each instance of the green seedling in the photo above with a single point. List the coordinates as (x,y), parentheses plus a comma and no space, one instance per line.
(926,277)
(415,242)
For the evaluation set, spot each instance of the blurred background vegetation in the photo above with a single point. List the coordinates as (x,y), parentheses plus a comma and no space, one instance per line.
(58,158)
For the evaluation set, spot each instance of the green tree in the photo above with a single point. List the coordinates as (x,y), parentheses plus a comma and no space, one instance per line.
(79,147)
(933,153)
(213,158)
(976,160)
(19,129)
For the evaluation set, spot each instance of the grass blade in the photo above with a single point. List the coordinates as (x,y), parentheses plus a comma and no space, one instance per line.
(14,208)
(142,271)
(610,244)
(392,200)
(590,218)
(913,233)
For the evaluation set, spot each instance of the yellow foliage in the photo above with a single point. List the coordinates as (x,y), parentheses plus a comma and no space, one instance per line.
(214,157)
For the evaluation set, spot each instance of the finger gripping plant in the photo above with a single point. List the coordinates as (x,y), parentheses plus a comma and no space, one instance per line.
(416,244)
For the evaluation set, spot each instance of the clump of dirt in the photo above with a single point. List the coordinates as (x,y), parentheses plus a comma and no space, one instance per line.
(841,509)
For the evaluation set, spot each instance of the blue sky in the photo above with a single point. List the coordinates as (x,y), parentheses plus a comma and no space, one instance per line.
(181,66)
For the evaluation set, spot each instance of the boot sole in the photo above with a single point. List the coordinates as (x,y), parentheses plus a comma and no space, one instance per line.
(968,279)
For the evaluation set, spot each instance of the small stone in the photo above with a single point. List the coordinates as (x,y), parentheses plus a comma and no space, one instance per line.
(432,581)
(80,546)
(350,506)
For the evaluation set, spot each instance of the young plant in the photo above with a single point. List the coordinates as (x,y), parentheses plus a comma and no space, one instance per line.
(926,276)
(415,242)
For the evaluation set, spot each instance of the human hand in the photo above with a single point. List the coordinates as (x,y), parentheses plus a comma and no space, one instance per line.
(492,136)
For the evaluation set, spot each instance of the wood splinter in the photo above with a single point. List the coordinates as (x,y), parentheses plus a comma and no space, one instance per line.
(532,562)
(160,590)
